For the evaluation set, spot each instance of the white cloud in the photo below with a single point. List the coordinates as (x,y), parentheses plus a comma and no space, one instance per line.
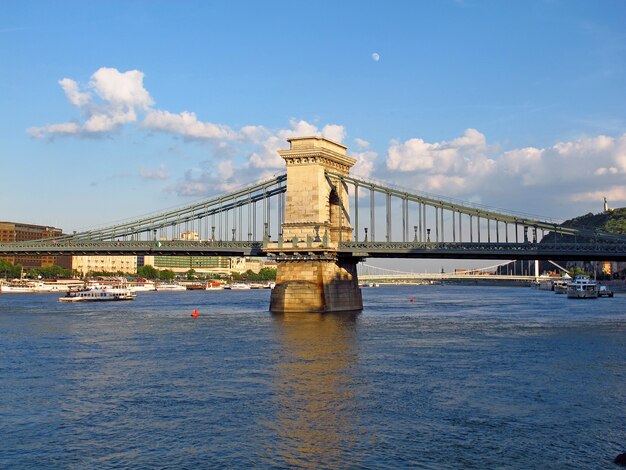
(64,128)
(123,89)
(73,94)
(187,125)
(528,178)
(362,144)
(154,173)
(225,169)
(441,157)
(466,166)
(614,193)
(266,153)
(365,162)
(120,96)
(334,132)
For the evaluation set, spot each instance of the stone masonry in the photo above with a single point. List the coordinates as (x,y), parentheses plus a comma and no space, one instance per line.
(310,275)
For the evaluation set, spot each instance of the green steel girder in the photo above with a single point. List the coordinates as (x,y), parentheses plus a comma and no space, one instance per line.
(472,210)
(242,197)
(165,247)
(468,250)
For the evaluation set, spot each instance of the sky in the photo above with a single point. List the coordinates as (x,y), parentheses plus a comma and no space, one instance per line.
(112,110)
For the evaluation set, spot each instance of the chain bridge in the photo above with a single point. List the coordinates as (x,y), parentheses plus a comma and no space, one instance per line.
(318,221)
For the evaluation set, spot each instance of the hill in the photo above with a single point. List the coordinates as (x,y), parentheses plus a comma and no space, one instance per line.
(612,221)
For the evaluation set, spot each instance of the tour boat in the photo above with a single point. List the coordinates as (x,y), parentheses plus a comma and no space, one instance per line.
(141,285)
(99,294)
(18,287)
(170,287)
(28,287)
(582,287)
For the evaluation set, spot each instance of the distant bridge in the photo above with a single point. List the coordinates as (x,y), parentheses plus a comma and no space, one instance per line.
(443,277)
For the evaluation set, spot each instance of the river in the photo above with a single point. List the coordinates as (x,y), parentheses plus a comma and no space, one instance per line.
(462,377)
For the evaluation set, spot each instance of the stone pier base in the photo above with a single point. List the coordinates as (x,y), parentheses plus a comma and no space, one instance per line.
(316,286)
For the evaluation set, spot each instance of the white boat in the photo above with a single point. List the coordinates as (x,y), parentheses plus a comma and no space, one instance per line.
(170,287)
(239,286)
(99,294)
(27,287)
(604,291)
(21,287)
(141,285)
(582,287)
(559,286)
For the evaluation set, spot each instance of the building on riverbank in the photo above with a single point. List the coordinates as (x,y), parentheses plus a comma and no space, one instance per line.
(19,232)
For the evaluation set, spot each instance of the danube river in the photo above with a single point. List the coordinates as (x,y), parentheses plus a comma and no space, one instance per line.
(463,377)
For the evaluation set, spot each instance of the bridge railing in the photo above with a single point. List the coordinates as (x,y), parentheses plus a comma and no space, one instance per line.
(597,250)
(135,247)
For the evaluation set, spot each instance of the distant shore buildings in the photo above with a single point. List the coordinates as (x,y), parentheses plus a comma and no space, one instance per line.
(83,265)
(19,232)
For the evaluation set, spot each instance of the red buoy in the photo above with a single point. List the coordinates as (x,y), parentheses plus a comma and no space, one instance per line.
(412,299)
(195,313)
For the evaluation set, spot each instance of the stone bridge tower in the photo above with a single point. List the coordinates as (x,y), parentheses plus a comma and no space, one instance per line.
(311,276)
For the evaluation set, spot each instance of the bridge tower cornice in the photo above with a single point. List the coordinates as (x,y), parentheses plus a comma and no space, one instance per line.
(318,151)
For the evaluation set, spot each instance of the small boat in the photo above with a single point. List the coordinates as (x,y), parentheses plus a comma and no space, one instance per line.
(99,294)
(141,285)
(196,286)
(214,285)
(210,285)
(604,291)
(559,286)
(169,287)
(582,287)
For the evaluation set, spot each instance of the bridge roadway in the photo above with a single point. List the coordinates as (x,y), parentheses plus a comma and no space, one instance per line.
(613,251)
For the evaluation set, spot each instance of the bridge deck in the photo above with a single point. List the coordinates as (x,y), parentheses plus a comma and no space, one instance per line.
(450,250)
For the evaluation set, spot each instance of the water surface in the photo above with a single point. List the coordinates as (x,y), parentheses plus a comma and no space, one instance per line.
(464,376)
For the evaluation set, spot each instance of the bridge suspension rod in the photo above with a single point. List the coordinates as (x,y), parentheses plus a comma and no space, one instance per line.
(469,210)
(220,206)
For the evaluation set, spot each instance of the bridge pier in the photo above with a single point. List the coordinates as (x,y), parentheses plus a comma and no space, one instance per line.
(323,285)
(310,276)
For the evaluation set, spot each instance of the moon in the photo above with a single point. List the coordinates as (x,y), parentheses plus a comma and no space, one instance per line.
(375,56)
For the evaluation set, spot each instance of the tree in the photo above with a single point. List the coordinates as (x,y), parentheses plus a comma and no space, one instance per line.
(576,271)
(148,272)
(167,275)
(8,271)
(191,274)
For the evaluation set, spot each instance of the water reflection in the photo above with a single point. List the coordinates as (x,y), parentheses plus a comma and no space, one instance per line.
(317,422)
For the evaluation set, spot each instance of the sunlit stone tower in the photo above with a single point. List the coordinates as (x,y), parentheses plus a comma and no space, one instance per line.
(311,277)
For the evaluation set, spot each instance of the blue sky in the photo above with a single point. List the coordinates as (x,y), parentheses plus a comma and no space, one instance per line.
(111,110)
